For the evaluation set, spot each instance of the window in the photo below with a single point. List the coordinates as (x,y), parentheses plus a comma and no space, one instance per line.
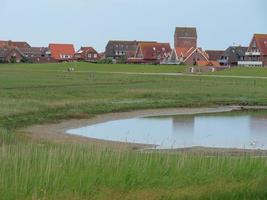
(89,55)
(254,44)
(95,55)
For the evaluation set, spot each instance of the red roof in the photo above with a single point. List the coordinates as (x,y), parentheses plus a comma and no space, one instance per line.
(187,52)
(202,63)
(261,40)
(17,44)
(154,50)
(62,51)
(184,52)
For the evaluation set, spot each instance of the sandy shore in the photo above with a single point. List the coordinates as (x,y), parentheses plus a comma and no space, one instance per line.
(57,132)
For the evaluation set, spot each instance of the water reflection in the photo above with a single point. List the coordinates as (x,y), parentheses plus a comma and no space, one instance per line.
(220,131)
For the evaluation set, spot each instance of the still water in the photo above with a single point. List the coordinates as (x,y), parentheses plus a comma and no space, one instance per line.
(242,131)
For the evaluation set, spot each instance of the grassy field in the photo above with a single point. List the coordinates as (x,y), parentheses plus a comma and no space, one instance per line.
(35,94)
(244,71)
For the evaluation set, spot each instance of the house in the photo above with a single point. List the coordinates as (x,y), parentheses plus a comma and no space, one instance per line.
(185,37)
(151,52)
(17,44)
(185,47)
(232,55)
(215,55)
(10,55)
(88,54)
(62,52)
(188,56)
(117,49)
(37,54)
(256,54)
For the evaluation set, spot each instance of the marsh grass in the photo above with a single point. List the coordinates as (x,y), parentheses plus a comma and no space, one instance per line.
(47,171)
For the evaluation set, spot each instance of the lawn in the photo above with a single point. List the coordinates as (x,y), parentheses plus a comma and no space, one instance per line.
(34,94)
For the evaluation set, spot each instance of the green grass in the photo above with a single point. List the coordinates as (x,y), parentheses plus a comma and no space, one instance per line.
(34,94)
(243,71)
(82,172)
(97,67)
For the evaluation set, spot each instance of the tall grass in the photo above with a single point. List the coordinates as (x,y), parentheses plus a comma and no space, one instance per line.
(47,171)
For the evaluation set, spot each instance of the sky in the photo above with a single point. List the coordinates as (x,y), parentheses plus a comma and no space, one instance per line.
(220,23)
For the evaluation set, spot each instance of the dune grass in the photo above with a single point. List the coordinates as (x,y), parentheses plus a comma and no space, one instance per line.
(35,94)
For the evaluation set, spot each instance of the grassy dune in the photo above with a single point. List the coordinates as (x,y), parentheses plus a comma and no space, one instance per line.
(32,94)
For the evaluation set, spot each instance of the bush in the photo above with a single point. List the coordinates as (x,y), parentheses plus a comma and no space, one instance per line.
(3,61)
(105,61)
(26,60)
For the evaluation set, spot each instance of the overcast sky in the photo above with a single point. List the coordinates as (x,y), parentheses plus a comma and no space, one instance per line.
(219,23)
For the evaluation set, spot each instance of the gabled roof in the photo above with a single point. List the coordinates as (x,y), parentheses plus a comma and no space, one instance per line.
(154,50)
(122,42)
(17,44)
(34,50)
(87,50)
(261,40)
(234,52)
(186,32)
(21,44)
(3,43)
(4,51)
(186,53)
(215,54)
(127,47)
(61,49)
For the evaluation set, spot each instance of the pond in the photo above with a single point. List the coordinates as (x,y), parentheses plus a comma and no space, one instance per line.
(223,130)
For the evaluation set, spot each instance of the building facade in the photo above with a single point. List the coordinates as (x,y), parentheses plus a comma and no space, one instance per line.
(256,54)
(88,54)
(185,37)
(188,56)
(151,53)
(37,54)
(118,49)
(215,55)
(10,55)
(232,55)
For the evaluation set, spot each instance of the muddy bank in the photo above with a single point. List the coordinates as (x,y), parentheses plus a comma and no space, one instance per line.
(57,132)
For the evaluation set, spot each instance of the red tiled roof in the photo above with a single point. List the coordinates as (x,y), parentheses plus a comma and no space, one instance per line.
(3,43)
(202,63)
(184,52)
(58,51)
(261,40)
(154,50)
(14,44)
